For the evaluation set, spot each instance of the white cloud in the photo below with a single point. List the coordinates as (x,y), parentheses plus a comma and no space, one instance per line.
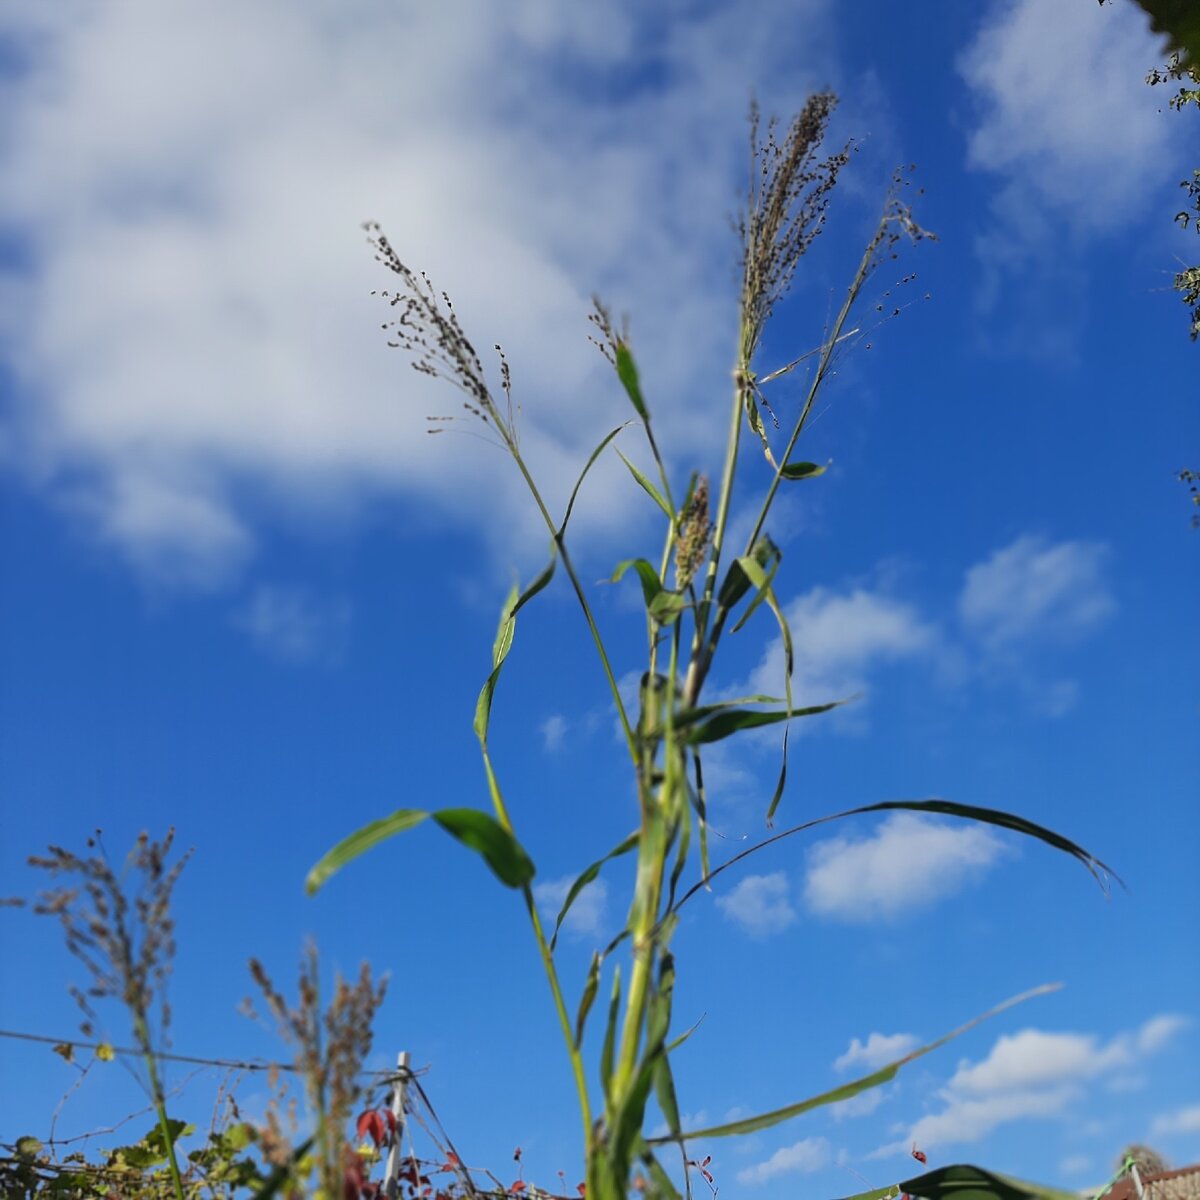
(1090,160)
(586,915)
(290,624)
(908,863)
(877,1051)
(1033,1073)
(838,639)
(1035,590)
(760,904)
(806,1156)
(189,327)
(1160,1031)
(1182,1120)
(553,730)
(1075,146)
(861,1105)
(1075,1164)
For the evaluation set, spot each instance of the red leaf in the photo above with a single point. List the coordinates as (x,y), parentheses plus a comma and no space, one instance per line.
(581,1188)
(517,1154)
(919,1155)
(517,1188)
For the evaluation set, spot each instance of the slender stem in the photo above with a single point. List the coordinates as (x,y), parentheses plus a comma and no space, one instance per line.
(142,1033)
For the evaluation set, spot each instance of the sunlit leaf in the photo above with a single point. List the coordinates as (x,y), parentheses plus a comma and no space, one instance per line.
(590,987)
(649,488)
(359,842)
(485,835)
(802,470)
(847,1090)
(627,373)
(562,529)
(504,639)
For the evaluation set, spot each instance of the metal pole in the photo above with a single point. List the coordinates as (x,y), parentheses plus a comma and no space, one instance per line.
(391,1180)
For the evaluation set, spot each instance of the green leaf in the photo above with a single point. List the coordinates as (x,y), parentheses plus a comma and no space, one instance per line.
(586,877)
(663,605)
(972,1183)
(562,529)
(627,373)
(801,470)
(610,1032)
(689,716)
(360,842)
(736,583)
(726,723)
(590,987)
(847,1090)
(649,488)
(486,836)
(28,1147)
(504,639)
(755,421)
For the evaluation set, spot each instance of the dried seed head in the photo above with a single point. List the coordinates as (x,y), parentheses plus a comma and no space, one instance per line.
(695,529)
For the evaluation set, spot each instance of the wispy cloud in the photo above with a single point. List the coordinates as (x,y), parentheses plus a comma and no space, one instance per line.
(553,730)
(908,863)
(1182,1120)
(1033,1073)
(235,365)
(760,904)
(1063,173)
(291,624)
(804,1157)
(877,1051)
(1036,590)
(587,913)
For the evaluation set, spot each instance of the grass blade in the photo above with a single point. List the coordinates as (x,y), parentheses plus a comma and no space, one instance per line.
(724,724)
(847,1090)
(801,470)
(359,842)
(586,877)
(562,529)
(649,488)
(627,373)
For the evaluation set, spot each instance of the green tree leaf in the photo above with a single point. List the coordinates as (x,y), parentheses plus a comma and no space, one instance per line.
(486,836)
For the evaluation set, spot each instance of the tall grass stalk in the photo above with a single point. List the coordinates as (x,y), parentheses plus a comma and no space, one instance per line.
(791,182)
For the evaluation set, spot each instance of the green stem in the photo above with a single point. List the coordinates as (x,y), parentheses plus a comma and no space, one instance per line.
(142,1033)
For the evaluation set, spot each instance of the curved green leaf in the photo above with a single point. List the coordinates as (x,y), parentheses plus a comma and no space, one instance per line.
(562,529)
(504,639)
(360,842)
(647,486)
(964,1182)
(726,723)
(801,470)
(585,878)
(846,1091)
(590,987)
(486,836)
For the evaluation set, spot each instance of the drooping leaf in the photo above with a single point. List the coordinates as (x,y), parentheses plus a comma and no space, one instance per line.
(847,1090)
(726,723)
(585,878)
(562,529)
(802,470)
(359,842)
(485,835)
(504,639)
(663,605)
(736,583)
(647,486)
(689,716)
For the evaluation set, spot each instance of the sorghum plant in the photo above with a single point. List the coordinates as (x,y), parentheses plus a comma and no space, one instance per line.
(693,588)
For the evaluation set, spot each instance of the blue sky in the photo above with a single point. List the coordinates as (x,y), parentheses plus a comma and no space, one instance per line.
(248,596)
